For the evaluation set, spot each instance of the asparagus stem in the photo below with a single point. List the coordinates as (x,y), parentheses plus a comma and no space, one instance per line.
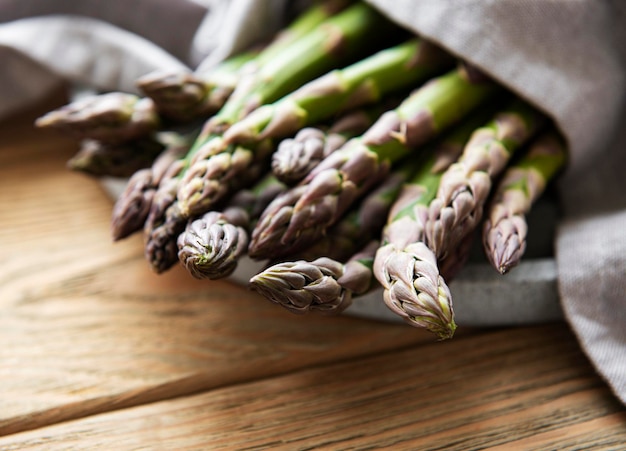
(505,227)
(307,21)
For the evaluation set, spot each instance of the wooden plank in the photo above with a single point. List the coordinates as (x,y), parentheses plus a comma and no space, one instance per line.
(527,388)
(86,327)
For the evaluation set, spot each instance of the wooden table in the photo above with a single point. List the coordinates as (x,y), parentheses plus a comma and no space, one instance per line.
(100,353)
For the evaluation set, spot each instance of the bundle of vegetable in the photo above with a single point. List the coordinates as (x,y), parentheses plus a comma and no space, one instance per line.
(342,161)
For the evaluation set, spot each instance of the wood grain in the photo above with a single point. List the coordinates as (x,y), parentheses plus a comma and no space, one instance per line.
(86,327)
(527,388)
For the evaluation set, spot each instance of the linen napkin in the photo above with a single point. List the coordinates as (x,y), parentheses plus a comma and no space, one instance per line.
(567,58)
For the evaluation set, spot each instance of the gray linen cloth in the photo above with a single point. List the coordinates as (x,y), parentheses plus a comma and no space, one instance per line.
(566,57)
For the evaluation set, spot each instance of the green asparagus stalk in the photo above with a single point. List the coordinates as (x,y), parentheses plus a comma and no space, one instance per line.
(405,267)
(296,157)
(418,293)
(111,118)
(184,96)
(132,207)
(337,41)
(323,285)
(346,174)
(99,159)
(458,206)
(211,246)
(505,227)
(364,82)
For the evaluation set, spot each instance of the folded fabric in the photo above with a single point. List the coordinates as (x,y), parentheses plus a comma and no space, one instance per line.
(567,58)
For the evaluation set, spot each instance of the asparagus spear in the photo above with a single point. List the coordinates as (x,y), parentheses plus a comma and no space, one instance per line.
(504,230)
(112,118)
(296,157)
(333,186)
(323,285)
(184,95)
(164,221)
(404,265)
(464,187)
(115,160)
(160,249)
(210,246)
(132,207)
(364,82)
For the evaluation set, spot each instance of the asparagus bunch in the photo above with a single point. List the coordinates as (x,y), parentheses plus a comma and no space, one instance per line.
(168,217)
(211,246)
(218,163)
(110,118)
(323,285)
(195,209)
(504,230)
(332,187)
(405,267)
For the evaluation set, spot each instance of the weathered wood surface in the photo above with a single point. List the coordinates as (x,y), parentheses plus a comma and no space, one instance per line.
(88,332)
(514,389)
